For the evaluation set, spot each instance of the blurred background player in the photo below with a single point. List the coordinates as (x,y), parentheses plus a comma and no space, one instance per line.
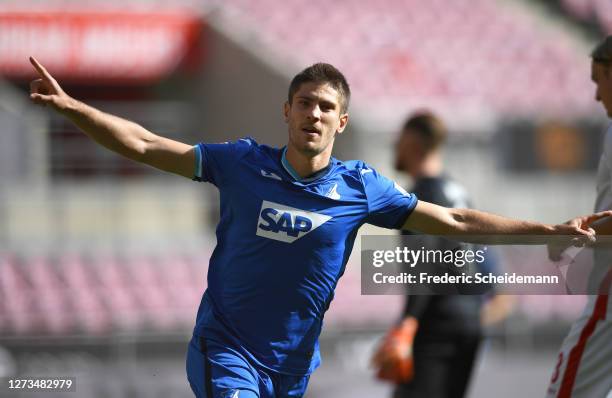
(584,363)
(431,352)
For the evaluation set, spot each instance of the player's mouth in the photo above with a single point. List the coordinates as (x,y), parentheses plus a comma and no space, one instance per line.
(310,130)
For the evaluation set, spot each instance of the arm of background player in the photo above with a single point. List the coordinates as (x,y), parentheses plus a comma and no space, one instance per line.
(119,135)
(437,220)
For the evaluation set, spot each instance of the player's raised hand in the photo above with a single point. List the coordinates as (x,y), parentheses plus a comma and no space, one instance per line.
(45,90)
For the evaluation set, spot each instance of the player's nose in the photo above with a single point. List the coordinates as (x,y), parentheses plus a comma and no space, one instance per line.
(315,112)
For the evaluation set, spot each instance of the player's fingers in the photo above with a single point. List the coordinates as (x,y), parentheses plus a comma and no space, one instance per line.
(42,71)
(41,99)
(585,231)
(598,216)
(34,84)
(37,86)
(46,76)
(390,369)
(377,361)
(581,241)
(381,357)
(592,237)
(384,362)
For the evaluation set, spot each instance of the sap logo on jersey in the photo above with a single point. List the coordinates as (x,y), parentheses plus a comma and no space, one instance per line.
(287,224)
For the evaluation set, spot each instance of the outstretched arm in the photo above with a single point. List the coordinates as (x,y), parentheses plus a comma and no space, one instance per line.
(437,220)
(119,135)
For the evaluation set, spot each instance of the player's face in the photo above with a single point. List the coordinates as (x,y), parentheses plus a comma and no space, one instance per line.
(409,152)
(602,77)
(314,118)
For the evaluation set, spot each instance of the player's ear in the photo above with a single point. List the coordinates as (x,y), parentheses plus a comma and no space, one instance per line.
(286,108)
(343,122)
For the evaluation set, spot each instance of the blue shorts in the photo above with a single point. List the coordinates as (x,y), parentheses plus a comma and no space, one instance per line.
(216,370)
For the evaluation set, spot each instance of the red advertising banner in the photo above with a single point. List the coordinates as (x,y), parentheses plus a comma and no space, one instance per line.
(127,46)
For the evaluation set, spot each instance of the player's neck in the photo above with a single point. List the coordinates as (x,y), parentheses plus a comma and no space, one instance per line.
(305,165)
(430,168)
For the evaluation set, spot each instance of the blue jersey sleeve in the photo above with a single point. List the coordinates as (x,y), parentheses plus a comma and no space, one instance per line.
(215,162)
(389,205)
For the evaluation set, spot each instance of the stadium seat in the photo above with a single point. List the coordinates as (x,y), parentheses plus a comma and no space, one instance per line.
(487,54)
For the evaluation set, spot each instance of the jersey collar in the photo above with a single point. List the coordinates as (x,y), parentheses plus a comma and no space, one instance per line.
(291,171)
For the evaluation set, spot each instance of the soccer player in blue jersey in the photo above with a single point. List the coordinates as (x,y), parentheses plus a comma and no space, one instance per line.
(258,324)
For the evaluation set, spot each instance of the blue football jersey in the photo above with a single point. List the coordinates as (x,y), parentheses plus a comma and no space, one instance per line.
(282,245)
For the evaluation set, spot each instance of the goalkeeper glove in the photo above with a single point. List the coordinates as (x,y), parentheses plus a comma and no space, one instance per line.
(393,359)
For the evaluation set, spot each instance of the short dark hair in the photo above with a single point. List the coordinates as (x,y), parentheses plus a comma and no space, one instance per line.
(429,127)
(323,73)
(602,53)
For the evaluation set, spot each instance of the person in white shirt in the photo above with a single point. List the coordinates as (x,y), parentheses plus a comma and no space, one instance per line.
(584,363)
